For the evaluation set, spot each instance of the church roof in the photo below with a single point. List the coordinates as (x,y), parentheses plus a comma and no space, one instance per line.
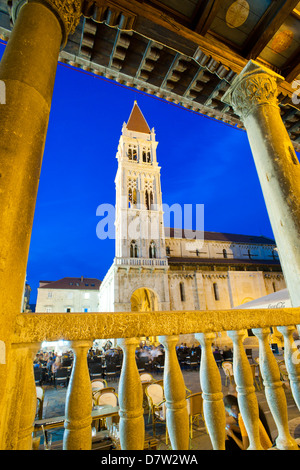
(85,283)
(136,121)
(216,236)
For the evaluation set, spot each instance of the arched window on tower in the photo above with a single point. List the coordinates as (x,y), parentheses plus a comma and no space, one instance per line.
(129,153)
(152,250)
(168,251)
(134,249)
(224,253)
(129,197)
(134,197)
(134,155)
(182,292)
(147,200)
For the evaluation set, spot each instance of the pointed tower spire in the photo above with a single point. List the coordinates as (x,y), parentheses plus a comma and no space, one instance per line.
(136,121)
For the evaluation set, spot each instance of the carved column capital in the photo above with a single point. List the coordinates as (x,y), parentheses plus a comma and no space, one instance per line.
(253,87)
(68,13)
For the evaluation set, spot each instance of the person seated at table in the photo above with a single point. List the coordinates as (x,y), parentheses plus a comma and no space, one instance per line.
(232,408)
(232,425)
(56,365)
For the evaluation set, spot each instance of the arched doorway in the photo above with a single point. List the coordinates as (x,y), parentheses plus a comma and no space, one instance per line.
(246,299)
(144,300)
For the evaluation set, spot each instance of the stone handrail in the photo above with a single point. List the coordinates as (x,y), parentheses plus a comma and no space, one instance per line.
(82,328)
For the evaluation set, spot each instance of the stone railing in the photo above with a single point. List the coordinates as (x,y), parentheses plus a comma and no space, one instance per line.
(81,329)
(141,262)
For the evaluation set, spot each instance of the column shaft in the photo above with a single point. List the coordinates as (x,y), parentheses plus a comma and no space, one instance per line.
(27,70)
(253,96)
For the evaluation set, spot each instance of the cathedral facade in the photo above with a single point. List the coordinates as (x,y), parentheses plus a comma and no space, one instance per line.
(161,268)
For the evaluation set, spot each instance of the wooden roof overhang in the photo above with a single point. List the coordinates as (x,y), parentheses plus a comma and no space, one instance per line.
(188,51)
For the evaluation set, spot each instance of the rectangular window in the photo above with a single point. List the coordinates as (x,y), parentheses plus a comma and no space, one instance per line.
(182,292)
(49,295)
(216,291)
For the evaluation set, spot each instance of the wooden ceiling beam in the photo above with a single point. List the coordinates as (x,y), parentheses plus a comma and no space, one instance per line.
(292,69)
(206,16)
(268,26)
(209,46)
(213,47)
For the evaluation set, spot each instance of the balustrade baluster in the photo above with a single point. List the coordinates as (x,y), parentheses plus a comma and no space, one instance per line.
(78,408)
(274,390)
(211,385)
(292,361)
(132,427)
(175,394)
(246,391)
(28,400)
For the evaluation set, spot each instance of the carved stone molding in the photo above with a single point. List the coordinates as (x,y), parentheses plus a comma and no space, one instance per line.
(68,13)
(254,87)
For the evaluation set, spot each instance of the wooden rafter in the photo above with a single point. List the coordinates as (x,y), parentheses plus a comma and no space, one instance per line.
(206,16)
(268,26)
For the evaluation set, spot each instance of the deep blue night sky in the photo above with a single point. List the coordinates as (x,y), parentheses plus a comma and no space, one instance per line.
(202,161)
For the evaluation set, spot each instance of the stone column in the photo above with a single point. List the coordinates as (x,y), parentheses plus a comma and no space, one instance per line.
(27,70)
(253,96)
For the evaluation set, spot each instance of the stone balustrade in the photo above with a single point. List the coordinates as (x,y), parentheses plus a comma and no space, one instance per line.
(141,262)
(81,329)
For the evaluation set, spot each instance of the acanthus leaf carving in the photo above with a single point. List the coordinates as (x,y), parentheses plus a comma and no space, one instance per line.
(252,91)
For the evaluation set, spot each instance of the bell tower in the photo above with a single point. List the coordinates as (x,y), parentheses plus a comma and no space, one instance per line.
(138,278)
(139,213)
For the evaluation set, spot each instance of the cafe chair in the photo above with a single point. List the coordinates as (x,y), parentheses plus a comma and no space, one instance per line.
(39,375)
(228,370)
(257,378)
(108,396)
(284,376)
(142,363)
(97,393)
(195,410)
(40,395)
(95,370)
(61,376)
(146,377)
(111,370)
(159,363)
(157,406)
(98,384)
